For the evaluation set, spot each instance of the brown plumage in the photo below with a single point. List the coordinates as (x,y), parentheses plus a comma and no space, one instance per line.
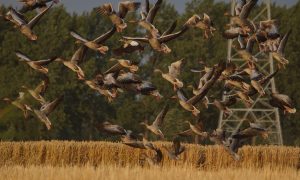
(25,27)
(36,65)
(117,18)
(157,123)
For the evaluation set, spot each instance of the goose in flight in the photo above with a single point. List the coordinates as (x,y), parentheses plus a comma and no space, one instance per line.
(172,76)
(36,65)
(157,123)
(117,18)
(95,44)
(30,5)
(26,28)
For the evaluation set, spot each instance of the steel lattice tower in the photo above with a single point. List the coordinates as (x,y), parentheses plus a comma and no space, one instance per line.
(260,112)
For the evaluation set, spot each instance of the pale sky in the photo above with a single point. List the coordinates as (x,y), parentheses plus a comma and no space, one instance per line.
(80,6)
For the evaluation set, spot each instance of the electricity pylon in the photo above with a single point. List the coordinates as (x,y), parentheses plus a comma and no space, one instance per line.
(260,112)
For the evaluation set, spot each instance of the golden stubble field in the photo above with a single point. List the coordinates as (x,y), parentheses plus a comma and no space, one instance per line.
(109,172)
(106,160)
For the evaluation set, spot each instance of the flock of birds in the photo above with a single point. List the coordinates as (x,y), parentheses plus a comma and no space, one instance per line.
(240,84)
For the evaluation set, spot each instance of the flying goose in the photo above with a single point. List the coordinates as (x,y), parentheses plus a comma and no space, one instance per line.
(129,46)
(195,129)
(172,75)
(147,88)
(45,110)
(19,104)
(122,64)
(153,161)
(130,140)
(24,26)
(143,88)
(204,23)
(113,129)
(36,95)
(246,53)
(36,65)
(117,18)
(218,136)
(157,123)
(223,105)
(270,28)
(147,143)
(175,150)
(95,44)
(189,104)
(109,94)
(76,59)
(282,102)
(30,5)
(238,82)
(158,43)
(128,78)
(263,80)
(39,91)
(185,103)
(232,146)
(279,54)
(245,98)
(241,18)
(252,131)
(234,32)
(147,18)
(209,72)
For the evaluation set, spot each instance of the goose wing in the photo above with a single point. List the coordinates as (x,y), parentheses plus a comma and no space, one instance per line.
(42,87)
(175,68)
(160,117)
(78,37)
(106,36)
(22,56)
(247,9)
(204,90)
(178,149)
(79,55)
(51,106)
(106,9)
(169,37)
(170,29)
(36,19)
(139,39)
(153,11)
(44,61)
(126,6)
(188,132)
(283,42)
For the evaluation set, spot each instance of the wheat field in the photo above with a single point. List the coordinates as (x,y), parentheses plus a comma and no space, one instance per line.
(109,172)
(71,153)
(115,161)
